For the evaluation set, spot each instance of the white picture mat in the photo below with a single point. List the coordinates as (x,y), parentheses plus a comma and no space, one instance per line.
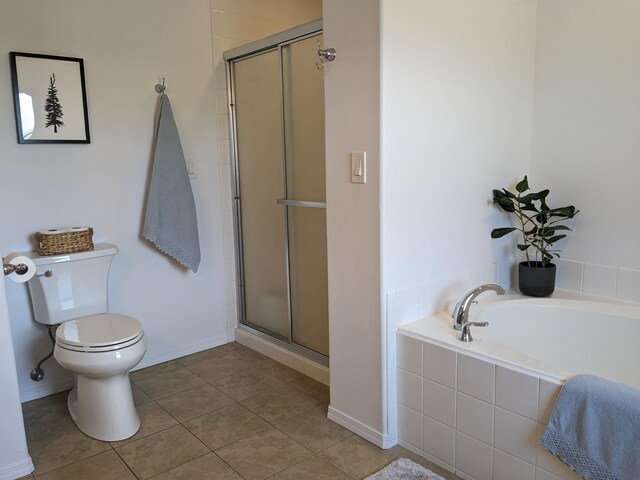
(33,79)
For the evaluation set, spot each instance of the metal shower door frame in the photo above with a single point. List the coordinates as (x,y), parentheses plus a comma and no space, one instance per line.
(269,44)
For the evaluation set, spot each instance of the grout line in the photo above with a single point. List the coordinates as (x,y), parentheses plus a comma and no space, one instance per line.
(250,362)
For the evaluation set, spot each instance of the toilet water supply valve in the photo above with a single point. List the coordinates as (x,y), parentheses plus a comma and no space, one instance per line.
(37,373)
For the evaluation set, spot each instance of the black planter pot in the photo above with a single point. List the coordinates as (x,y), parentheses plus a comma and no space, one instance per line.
(535,280)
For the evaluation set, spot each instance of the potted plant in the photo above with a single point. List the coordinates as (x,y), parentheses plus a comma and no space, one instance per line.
(541,227)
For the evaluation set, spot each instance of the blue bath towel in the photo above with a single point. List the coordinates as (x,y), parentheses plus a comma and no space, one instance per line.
(595,429)
(170,222)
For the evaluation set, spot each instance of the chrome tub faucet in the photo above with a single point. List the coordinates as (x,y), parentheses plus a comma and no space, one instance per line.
(461,312)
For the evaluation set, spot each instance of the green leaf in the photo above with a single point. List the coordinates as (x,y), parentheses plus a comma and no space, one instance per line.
(553,240)
(504,203)
(508,193)
(501,232)
(530,207)
(528,198)
(522,185)
(522,247)
(542,194)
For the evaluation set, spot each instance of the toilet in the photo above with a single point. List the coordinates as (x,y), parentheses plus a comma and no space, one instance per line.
(100,348)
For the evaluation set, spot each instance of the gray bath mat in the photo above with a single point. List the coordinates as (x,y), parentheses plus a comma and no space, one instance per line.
(404,469)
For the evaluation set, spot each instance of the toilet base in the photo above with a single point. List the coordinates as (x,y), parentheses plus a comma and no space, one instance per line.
(103,407)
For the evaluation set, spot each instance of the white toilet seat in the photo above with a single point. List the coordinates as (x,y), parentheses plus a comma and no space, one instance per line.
(99,333)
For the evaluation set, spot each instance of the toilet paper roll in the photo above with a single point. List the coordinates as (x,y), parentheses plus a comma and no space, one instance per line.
(19,259)
(77,229)
(52,231)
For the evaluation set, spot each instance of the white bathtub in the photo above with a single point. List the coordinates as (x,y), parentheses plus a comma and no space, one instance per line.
(479,408)
(559,337)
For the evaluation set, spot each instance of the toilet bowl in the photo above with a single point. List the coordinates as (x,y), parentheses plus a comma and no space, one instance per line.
(100,348)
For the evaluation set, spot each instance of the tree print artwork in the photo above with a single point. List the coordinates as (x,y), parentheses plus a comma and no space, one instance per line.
(52,106)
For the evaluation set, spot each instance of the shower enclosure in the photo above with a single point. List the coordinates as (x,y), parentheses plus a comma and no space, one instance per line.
(276,95)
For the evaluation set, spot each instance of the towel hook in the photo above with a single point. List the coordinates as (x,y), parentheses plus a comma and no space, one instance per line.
(160,88)
(329,54)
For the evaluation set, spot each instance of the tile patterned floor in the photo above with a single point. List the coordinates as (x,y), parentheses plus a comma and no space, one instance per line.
(227,413)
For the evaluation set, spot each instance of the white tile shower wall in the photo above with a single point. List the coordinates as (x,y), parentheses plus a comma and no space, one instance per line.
(479,419)
(233,24)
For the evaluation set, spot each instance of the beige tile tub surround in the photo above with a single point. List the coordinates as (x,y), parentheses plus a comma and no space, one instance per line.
(228,413)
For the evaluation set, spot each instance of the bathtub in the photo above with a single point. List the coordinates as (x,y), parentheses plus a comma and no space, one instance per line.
(479,408)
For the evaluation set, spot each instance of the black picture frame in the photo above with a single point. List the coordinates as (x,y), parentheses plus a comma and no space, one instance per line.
(50,98)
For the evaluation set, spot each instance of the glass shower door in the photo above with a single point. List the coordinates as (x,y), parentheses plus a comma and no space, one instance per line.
(259,151)
(303,94)
(279,119)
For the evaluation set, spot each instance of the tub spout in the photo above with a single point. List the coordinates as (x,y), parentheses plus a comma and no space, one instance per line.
(461,313)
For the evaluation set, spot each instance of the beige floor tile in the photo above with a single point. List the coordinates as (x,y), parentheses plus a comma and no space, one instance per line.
(153,419)
(313,468)
(277,370)
(280,403)
(40,403)
(359,458)
(225,425)
(313,429)
(167,384)
(217,368)
(262,454)
(161,451)
(204,355)
(243,352)
(104,466)
(208,467)
(195,402)
(154,370)
(139,397)
(246,384)
(54,440)
(313,388)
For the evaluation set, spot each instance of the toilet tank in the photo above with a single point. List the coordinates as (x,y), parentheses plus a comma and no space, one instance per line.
(70,285)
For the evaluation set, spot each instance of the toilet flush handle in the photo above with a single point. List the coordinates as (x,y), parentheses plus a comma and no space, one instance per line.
(48,274)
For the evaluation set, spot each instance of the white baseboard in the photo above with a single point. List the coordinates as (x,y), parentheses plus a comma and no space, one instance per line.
(17,469)
(362,430)
(181,351)
(39,390)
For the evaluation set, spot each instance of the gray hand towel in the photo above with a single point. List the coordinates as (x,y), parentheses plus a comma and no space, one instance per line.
(170,222)
(595,429)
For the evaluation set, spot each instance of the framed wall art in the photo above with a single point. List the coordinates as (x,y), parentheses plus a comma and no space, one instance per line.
(50,98)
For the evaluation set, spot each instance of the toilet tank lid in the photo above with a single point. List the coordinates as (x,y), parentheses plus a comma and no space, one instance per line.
(99,250)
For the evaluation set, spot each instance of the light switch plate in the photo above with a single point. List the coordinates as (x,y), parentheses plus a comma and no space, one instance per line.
(358,167)
(192,168)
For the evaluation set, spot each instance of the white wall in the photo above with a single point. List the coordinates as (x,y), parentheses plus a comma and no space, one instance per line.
(15,461)
(586,124)
(127,48)
(456,119)
(352,92)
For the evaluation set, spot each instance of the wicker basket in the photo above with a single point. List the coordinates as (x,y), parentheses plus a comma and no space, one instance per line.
(67,242)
